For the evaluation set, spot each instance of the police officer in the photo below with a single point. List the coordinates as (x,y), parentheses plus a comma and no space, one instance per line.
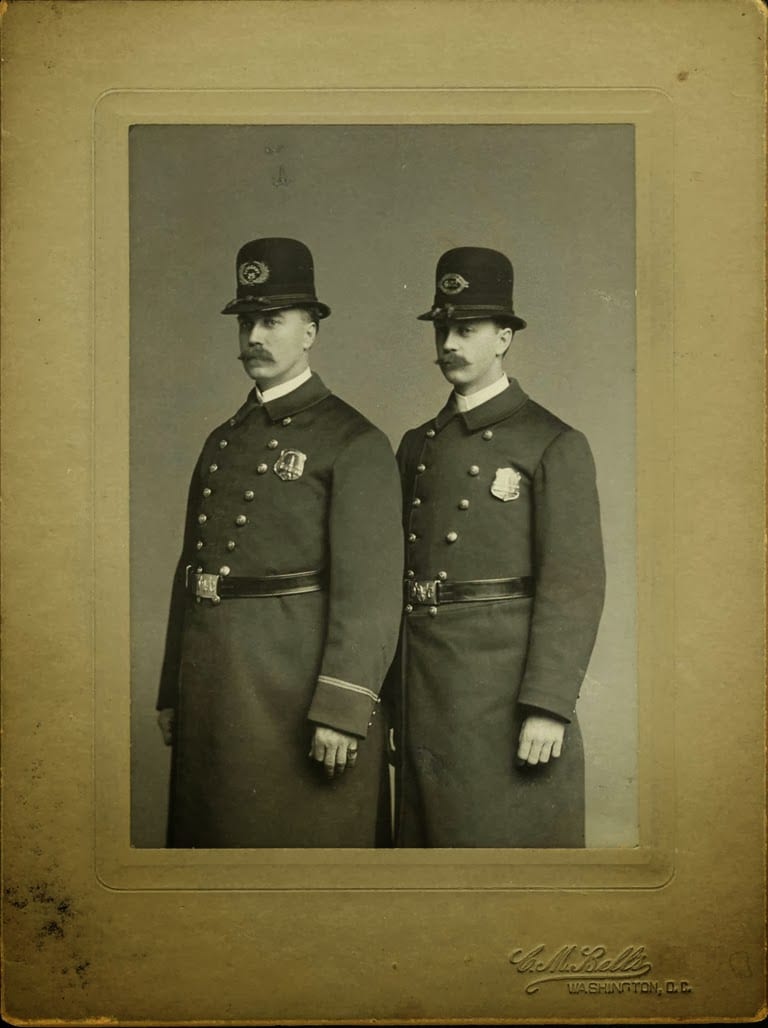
(286,599)
(503,589)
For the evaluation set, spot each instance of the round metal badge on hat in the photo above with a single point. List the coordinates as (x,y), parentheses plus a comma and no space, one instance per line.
(452,283)
(252,273)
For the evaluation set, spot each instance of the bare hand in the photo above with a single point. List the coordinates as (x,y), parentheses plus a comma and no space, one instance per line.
(334,750)
(166,719)
(540,738)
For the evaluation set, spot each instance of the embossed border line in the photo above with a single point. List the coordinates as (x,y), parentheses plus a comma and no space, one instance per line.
(650,864)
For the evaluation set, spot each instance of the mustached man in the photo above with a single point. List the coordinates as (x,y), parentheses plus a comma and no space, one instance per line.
(504,586)
(286,600)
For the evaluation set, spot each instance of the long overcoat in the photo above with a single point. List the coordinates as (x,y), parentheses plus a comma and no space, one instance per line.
(505,490)
(249,678)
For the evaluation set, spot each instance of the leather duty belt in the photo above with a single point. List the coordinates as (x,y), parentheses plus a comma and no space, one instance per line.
(205,586)
(426,593)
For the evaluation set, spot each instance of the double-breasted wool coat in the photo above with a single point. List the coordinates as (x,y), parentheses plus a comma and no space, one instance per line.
(504,490)
(302,483)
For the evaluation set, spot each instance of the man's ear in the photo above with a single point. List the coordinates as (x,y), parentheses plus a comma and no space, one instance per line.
(310,334)
(506,335)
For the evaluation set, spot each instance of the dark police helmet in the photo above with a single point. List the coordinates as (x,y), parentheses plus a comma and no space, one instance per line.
(273,274)
(473,282)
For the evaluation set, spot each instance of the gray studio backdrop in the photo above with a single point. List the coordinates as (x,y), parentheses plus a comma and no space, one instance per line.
(377,205)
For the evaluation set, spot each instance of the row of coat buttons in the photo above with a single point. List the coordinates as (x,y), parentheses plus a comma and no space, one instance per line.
(450,537)
(487,434)
(247,495)
(261,469)
(416,502)
(285,421)
(472,470)
(224,443)
(241,519)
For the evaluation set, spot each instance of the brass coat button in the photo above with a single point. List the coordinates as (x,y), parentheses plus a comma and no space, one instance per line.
(206,491)
(412,537)
(273,444)
(420,468)
(463,504)
(487,434)
(232,422)
(199,544)
(231,544)
(213,467)
(430,433)
(287,421)
(248,494)
(408,608)
(262,469)
(451,537)
(225,570)
(240,519)
(202,518)
(432,612)
(474,470)
(410,574)
(442,575)
(223,444)
(416,502)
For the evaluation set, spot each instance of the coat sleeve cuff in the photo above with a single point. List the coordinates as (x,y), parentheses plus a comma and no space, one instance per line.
(345,706)
(548,703)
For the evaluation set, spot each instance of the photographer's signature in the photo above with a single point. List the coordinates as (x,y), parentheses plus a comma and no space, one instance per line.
(586,964)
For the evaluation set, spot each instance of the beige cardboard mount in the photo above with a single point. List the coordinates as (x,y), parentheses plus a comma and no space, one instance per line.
(96,929)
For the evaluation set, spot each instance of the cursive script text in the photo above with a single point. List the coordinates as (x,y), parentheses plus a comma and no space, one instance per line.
(572,963)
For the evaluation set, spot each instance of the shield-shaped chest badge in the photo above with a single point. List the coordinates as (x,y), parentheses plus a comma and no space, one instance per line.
(506,484)
(290,465)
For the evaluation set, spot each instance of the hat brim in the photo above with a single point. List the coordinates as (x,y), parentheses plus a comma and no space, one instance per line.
(472,314)
(238,306)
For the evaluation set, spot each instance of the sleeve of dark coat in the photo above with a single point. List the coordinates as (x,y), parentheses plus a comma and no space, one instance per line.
(570,575)
(365,588)
(169,675)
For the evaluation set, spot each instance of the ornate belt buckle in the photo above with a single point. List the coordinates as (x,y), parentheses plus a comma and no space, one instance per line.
(207,587)
(424,592)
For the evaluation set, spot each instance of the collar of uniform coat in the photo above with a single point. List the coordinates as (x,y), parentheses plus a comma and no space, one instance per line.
(307,395)
(496,409)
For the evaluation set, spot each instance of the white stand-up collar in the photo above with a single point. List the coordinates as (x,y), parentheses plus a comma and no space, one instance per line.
(465,403)
(284,388)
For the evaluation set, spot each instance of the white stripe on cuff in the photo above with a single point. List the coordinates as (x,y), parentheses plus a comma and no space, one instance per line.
(348,685)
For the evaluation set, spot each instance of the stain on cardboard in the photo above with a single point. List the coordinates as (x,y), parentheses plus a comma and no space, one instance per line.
(40,915)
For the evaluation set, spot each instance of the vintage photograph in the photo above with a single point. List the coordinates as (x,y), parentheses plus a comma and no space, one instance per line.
(382,486)
(383,515)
